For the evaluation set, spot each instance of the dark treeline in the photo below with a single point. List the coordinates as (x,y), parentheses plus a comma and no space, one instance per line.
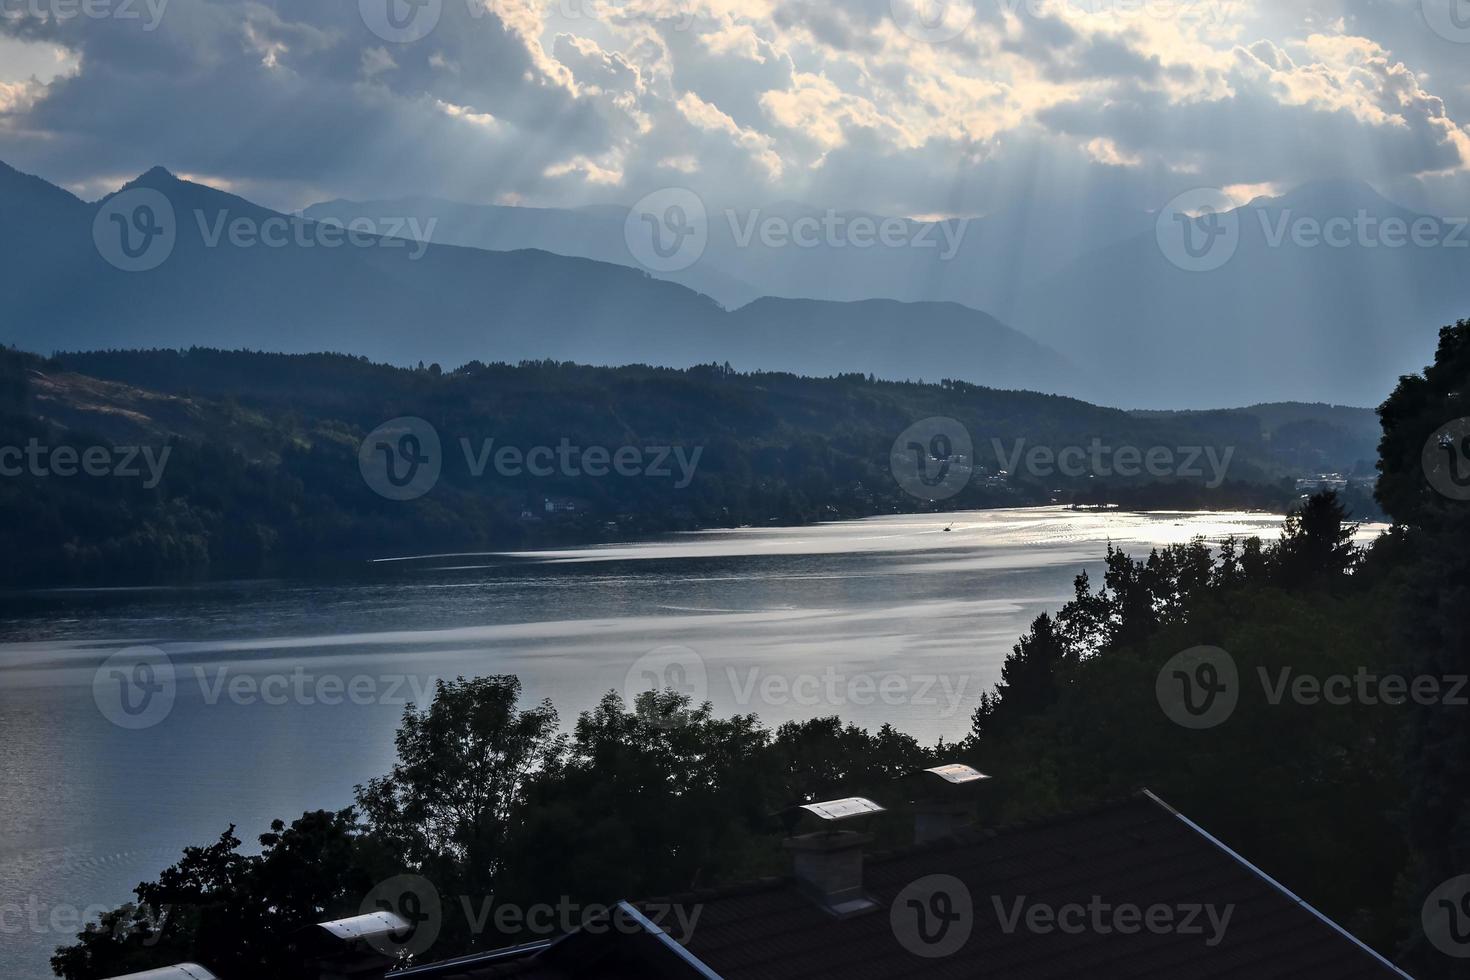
(263,477)
(1358,807)
(491,802)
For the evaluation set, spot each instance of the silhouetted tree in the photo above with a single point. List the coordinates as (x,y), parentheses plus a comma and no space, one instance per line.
(1030,680)
(1434,628)
(446,807)
(231,910)
(1317,542)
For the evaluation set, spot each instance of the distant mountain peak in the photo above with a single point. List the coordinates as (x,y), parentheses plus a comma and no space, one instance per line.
(1336,194)
(195,196)
(155,177)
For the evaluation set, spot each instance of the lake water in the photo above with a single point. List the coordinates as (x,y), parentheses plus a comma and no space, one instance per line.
(275,697)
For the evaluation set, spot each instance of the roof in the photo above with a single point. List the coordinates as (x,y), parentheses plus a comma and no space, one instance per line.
(1136,854)
(182,971)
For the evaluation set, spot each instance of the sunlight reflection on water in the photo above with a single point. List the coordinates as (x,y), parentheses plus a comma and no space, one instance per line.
(91,809)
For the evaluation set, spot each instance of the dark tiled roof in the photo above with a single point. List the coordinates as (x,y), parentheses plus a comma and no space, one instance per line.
(1136,853)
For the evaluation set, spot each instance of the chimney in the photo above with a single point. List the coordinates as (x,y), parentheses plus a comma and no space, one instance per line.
(944,801)
(829,862)
(940,821)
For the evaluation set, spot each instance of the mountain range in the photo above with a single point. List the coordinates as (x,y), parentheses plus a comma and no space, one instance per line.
(1078,301)
(981,263)
(222,285)
(1323,322)
(1288,316)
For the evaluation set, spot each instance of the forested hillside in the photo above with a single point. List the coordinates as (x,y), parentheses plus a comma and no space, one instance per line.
(262,472)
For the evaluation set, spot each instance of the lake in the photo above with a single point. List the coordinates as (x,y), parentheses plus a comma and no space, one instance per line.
(264,699)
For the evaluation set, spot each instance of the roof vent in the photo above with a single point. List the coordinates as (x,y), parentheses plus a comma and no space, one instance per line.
(856,806)
(829,862)
(944,800)
(373,925)
(957,774)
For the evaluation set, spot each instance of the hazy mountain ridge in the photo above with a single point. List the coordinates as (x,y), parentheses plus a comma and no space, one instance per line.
(589,233)
(450,304)
(1014,247)
(1278,321)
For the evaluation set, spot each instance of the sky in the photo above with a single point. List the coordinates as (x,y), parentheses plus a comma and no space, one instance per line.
(908,107)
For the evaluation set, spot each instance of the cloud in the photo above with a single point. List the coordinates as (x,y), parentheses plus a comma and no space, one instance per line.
(564,102)
(590,65)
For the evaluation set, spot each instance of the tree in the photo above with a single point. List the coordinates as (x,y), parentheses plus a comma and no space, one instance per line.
(822,759)
(1030,679)
(446,806)
(649,799)
(1317,541)
(231,910)
(444,811)
(1433,628)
